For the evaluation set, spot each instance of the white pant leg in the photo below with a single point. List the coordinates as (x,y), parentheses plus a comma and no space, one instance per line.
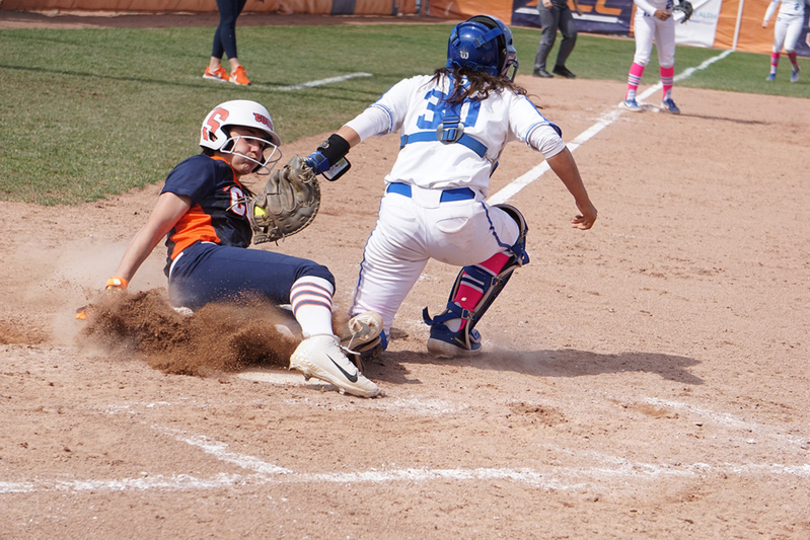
(792,32)
(467,233)
(408,234)
(665,41)
(644,30)
(393,259)
(779,34)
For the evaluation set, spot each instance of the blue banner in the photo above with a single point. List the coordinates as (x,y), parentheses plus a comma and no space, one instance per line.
(598,16)
(803,45)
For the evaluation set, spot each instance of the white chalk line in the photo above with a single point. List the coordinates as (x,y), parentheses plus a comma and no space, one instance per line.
(313,84)
(607,118)
(554,477)
(557,478)
(310,84)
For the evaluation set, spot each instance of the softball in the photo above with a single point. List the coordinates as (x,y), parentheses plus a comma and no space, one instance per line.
(258,211)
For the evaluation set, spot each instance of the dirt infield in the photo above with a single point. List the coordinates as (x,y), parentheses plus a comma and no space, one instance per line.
(645,379)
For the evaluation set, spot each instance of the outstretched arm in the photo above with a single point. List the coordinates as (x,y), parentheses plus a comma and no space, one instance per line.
(167,212)
(350,135)
(565,167)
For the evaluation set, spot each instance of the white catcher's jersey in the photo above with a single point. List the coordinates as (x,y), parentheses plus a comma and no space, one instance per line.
(415,108)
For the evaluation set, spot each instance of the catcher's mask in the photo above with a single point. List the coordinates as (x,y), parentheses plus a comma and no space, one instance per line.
(482,43)
(241,112)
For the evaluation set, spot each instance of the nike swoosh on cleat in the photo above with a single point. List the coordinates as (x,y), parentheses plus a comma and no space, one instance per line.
(351,378)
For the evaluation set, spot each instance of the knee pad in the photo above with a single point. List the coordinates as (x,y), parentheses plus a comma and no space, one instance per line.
(518,249)
(490,285)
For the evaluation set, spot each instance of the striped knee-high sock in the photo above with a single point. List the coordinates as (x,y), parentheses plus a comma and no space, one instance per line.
(311,299)
(666,81)
(633,80)
(774,62)
(792,57)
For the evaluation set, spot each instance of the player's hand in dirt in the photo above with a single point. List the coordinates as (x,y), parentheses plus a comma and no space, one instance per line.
(115,287)
(116,284)
(585,220)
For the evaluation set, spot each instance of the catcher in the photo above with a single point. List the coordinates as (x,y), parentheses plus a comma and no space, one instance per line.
(208,218)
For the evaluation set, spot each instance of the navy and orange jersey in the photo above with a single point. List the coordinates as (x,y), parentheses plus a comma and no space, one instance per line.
(218,210)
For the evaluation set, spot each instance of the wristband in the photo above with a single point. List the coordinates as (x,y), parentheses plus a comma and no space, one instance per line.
(328,153)
(116,282)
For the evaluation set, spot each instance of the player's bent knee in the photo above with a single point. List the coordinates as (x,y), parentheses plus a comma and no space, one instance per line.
(518,249)
(311,268)
(490,284)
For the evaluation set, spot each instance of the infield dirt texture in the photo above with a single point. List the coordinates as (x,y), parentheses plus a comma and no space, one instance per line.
(647,379)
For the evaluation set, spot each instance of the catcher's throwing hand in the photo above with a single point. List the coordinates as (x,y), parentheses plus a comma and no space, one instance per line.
(287,204)
(585,220)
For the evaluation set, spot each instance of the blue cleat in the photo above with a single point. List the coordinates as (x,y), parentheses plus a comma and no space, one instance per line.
(630,105)
(771,77)
(669,106)
(445,343)
(794,76)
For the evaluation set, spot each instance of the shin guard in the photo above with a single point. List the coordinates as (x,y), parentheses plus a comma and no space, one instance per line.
(466,337)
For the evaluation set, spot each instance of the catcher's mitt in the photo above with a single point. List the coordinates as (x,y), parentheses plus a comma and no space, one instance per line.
(686,7)
(287,204)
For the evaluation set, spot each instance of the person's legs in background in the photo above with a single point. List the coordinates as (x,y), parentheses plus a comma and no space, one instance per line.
(225,44)
(568,29)
(548,19)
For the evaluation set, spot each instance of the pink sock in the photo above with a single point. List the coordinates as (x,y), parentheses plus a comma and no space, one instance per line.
(633,80)
(792,56)
(774,61)
(666,80)
(468,294)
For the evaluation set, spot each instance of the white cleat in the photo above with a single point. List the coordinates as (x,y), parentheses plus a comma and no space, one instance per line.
(321,357)
(364,328)
(363,341)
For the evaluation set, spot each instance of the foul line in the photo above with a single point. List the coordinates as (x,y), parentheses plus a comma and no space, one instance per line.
(321,82)
(302,86)
(511,189)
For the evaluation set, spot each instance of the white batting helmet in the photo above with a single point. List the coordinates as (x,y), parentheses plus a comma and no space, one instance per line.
(215,134)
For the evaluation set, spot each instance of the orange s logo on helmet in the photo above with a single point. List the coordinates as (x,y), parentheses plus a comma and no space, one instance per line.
(213,122)
(262,119)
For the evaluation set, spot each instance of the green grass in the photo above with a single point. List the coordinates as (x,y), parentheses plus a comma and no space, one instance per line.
(92,112)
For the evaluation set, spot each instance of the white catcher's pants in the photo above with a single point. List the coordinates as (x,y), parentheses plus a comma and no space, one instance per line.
(410,231)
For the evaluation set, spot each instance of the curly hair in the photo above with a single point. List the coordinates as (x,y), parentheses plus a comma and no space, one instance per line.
(479,87)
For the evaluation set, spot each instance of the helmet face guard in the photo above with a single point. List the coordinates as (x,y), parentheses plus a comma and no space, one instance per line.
(482,43)
(215,134)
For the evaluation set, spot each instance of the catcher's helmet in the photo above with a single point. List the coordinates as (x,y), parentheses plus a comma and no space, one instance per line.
(482,43)
(241,112)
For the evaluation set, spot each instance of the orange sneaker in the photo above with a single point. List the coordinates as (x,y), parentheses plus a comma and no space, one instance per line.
(218,74)
(238,76)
